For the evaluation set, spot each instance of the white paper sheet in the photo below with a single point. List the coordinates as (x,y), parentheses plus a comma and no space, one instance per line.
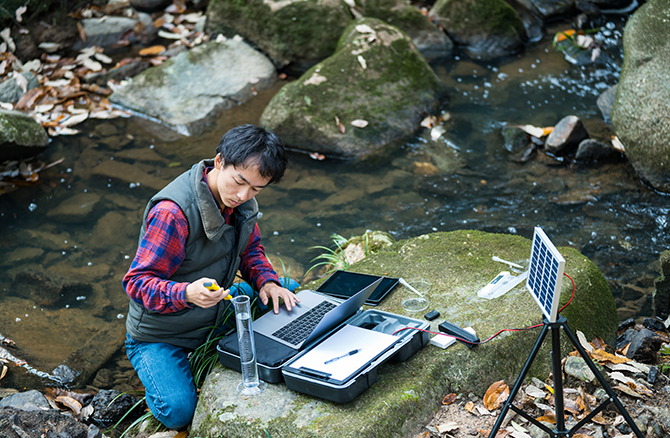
(367,345)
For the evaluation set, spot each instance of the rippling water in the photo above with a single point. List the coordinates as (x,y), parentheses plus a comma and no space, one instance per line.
(463,180)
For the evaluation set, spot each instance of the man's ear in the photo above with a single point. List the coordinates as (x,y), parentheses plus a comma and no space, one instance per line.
(219,162)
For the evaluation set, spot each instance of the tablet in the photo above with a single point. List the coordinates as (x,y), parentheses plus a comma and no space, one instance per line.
(344,284)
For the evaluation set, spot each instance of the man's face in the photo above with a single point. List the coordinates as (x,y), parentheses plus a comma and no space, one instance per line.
(233,186)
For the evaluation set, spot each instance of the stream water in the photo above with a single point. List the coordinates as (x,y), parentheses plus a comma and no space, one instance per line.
(68,242)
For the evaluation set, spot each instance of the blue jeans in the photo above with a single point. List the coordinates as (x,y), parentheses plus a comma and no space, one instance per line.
(165,372)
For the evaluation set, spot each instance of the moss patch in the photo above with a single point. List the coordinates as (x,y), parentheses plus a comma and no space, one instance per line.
(299,30)
(474,17)
(20,129)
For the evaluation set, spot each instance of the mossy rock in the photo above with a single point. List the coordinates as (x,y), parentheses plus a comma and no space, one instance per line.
(376,75)
(302,31)
(427,37)
(640,113)
(409,393)
(483,29)
(20,136)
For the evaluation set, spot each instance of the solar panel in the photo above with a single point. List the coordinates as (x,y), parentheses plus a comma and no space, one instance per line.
(545,274)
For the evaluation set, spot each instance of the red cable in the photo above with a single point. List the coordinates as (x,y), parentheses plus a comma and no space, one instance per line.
(503,330)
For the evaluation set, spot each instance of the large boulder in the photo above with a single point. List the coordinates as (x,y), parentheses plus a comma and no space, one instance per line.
(641,112)
(427,37)
(20,136)
(376,76)
(484,29)
(189,90)
(409,393)
(299,31)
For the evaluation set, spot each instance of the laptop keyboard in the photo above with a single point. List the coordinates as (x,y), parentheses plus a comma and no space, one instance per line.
(297,330)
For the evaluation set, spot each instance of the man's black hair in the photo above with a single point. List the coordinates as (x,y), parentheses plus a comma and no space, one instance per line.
(250,145)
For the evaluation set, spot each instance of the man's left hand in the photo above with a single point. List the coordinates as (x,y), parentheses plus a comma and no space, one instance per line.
(272,290)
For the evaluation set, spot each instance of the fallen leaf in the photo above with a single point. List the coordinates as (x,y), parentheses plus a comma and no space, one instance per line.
(92,64)
(49,47)
(532,130)
(359,123)
(583,342)
(362,62)
(429,122)
(616,143)
(437,132)
(4,372)
(549,418)
(449,398)
(182,434)
(497,393)
(425,434)
(599,419)
(603,356)
(103,58)
(627,390)
(364,28)
(71,403)
(169,35)
(340,126)
(82,32)
(317,156)
(447,427)
(153,50)
(519,434)
(19,12)
(560,36)
(75,119)
(535,392)
(469,406)
(21,81)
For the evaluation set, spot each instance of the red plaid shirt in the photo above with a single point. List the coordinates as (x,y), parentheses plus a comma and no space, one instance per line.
(162,251)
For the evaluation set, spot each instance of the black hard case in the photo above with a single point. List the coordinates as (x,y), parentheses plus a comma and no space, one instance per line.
(410,341)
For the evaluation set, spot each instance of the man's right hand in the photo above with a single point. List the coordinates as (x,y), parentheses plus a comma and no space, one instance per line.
(197,294)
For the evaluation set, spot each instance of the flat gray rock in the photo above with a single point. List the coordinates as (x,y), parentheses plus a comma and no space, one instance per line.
(26,401)
(191,89)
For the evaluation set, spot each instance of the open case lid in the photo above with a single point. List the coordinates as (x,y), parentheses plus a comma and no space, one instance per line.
(343,354)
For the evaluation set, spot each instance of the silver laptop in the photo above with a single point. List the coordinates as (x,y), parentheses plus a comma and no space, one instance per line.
(312,318)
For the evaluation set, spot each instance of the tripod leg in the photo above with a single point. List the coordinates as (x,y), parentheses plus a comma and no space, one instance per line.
(602,381)
(558,378)
(519,381)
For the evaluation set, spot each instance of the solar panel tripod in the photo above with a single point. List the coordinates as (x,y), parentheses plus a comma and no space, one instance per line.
(560,430)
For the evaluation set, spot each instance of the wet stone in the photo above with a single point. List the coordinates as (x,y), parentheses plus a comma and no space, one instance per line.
(64,373)
(515,139)
(630,322)
(75,209)
(22,255)
(26,401)
(654,324)
(593,151)
(644,346)
(109,406)
(103,379)
(577,368)
(47,289)
(625,338)
(14,422)
(566,136)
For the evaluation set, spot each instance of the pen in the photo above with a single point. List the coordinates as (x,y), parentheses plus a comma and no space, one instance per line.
(351,353)
(212,286)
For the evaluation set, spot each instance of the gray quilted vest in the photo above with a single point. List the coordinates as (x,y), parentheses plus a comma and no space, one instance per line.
(213,250)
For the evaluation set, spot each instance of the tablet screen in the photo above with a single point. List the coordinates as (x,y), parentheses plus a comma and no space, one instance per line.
(344,284)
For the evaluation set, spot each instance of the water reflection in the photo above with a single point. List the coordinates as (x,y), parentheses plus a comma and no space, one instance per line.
(68,242)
